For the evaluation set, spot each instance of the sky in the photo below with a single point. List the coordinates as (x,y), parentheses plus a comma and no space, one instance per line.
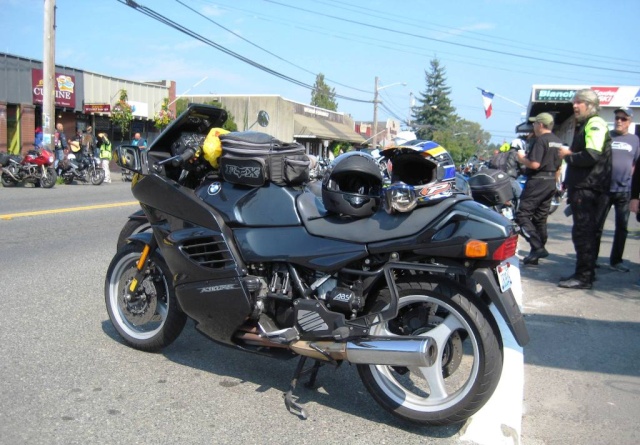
(502,46)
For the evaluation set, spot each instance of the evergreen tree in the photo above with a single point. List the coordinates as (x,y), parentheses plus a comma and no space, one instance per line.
(322,95)
(434,112)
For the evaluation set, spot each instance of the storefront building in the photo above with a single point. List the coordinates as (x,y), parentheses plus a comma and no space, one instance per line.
(557,100)
(82,98)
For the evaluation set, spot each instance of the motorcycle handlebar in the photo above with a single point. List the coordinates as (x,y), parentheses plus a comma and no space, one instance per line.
(177,160)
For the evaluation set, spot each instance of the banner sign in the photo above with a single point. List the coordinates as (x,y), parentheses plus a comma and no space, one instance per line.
(96,108)
(554,95)
(64,89)
(605,94)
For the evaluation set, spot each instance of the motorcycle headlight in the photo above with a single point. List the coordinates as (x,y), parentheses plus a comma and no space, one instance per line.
(400,198)
(50,159)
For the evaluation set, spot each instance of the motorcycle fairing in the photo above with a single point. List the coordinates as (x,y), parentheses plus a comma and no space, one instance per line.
(217,306)
(295,245)
(268,206)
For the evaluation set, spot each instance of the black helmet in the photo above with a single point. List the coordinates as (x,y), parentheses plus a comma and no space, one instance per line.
(352,185)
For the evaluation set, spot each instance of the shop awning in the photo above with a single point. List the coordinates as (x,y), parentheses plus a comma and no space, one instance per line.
(312,128)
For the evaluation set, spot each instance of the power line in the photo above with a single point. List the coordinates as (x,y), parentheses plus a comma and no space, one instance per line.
(162,19)
(395,31)
(385,15)
(265,50)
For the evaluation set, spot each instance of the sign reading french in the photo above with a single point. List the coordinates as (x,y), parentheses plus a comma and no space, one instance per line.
(64,85)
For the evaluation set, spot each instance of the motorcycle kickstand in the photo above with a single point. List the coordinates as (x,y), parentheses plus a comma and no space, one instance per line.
(293,407)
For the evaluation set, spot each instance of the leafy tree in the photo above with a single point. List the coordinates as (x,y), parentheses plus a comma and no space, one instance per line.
(322,95)
(122,113)
(230,124)
(434,112)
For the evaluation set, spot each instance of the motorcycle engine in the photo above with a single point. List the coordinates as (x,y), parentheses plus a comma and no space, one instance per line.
(342,299)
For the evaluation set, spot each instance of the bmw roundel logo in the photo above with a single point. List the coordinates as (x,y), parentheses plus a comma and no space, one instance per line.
(214,188)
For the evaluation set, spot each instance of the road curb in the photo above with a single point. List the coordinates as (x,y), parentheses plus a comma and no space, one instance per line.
(499,422)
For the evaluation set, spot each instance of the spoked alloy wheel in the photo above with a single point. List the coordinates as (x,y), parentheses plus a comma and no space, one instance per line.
(96,176)
(149,319)
(469,361)
(48,178)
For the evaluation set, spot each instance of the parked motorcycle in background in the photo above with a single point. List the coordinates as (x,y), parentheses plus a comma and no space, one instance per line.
(83,169)
(396,280)
(36,167)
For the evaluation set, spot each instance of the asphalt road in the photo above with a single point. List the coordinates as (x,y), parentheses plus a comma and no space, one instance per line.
(67,378)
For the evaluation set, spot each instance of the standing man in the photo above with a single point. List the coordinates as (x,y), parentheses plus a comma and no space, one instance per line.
(541,164)
(587,179)
(60,145)
(139,142)
(634,204)
(625,151)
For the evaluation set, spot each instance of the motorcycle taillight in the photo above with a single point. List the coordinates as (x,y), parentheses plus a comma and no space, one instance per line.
(507,249)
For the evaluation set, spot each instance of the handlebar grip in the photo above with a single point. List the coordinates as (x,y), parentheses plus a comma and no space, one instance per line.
(184,157)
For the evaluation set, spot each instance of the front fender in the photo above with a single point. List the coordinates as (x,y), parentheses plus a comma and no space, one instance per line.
(142,238)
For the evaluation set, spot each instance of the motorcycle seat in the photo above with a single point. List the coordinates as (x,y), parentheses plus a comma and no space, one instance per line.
(379,227)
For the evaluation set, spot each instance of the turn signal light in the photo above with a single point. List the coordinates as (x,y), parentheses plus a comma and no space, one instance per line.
(476,249)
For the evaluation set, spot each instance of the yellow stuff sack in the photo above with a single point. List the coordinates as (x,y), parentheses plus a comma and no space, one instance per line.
(212,147)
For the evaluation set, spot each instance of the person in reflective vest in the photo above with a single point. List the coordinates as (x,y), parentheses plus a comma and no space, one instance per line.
(104,146)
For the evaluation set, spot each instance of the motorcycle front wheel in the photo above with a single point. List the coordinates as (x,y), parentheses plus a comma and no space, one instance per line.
(49,178)
(469,361)
(150,319)
(96,176)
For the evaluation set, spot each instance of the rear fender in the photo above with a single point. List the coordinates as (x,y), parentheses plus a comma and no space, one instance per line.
(505,303)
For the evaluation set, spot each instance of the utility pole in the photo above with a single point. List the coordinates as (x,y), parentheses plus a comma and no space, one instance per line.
(375,113)
(48,74)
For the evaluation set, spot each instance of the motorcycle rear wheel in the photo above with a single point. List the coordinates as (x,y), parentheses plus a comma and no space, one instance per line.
(96,176)
(469,360)
(49,179)
(7,181)
(151,319)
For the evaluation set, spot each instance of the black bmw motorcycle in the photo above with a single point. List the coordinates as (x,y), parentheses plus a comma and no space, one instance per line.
(268,270)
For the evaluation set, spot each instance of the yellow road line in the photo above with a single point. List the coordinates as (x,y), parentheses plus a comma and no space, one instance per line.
(68,209)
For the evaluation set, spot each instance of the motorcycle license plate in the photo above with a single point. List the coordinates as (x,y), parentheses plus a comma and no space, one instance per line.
(504,279)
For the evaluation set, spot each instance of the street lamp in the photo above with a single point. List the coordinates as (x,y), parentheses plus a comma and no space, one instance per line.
(375,106)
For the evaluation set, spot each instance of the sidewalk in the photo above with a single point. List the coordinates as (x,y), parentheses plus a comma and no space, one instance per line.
(582,366)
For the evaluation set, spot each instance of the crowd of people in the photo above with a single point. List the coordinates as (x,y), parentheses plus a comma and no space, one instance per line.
(602,170)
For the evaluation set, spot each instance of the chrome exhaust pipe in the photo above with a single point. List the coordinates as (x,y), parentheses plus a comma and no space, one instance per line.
(392,351)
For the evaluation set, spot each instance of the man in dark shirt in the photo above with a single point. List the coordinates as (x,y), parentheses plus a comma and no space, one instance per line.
(625,151)
(541,164)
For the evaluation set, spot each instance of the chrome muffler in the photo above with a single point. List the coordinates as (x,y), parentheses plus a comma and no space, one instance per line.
(392,351)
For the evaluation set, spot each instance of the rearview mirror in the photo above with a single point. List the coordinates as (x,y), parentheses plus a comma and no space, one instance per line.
(128,157)
(263,118)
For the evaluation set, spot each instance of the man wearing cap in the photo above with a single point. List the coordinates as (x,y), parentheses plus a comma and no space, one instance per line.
(587,180)
(625,151)
(541,164)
